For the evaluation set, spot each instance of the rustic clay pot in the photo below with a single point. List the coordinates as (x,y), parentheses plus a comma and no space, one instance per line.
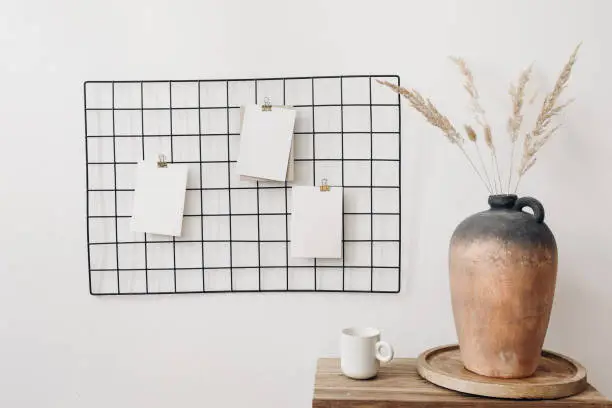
(503,267)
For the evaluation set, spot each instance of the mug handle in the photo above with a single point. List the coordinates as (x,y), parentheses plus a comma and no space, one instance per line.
(383,346)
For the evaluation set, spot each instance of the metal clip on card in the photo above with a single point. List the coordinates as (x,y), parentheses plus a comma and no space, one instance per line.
(267,105)
(324,186)
(161,161)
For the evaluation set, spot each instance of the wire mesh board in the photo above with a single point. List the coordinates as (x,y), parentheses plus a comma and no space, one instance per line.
(235,232)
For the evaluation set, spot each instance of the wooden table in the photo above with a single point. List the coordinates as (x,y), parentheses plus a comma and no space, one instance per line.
(398,385)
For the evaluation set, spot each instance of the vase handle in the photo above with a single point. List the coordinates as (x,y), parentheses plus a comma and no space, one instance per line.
(535,205)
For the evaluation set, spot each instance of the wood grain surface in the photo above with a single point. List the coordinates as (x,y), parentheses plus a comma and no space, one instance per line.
(555,376)
(398,385)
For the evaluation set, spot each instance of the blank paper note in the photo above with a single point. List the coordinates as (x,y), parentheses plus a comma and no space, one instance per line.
(291,161)
(290,169)
(316,222)
(159,198)
(265,143)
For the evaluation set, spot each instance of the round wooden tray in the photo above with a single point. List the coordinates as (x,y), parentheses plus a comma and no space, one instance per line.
(557,376)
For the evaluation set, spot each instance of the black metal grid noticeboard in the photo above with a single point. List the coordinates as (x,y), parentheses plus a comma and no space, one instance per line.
(235,232)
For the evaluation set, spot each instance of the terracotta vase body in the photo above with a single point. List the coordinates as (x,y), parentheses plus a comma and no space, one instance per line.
(503,268)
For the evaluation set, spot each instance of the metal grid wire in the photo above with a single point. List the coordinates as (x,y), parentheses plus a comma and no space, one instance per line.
(236,232)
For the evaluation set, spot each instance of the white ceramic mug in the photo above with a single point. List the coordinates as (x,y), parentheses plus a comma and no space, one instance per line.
(361,352)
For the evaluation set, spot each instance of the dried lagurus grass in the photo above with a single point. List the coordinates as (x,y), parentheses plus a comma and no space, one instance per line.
(480,116)
(429,111)
(544,128)
(532,141)
(517,94)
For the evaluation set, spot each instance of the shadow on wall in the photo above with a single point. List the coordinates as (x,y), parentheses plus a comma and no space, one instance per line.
(581,327)
(581,321)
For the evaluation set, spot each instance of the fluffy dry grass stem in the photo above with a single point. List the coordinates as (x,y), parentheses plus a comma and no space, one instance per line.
(426,108)
(543,128)
(473,137)
(479,113)
(517,94)
(533,141)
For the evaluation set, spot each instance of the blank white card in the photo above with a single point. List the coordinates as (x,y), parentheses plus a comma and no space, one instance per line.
(265,142)
(290,164)
(159,199)
(316,222)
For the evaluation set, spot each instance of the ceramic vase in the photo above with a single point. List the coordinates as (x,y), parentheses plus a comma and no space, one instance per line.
(503,268)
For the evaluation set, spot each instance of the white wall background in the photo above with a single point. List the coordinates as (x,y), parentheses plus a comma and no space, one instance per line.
(61,347)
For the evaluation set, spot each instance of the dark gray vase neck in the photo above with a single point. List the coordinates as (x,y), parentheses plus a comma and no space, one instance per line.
(512,202)
(505,220)
(502,201)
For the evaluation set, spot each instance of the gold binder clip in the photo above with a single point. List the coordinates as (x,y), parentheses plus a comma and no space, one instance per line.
(324,186)
(161,161)
(267,105)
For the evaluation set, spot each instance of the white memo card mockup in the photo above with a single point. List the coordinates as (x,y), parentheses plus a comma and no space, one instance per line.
(290,164)
(265,142)
(316,222)
(159,198)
